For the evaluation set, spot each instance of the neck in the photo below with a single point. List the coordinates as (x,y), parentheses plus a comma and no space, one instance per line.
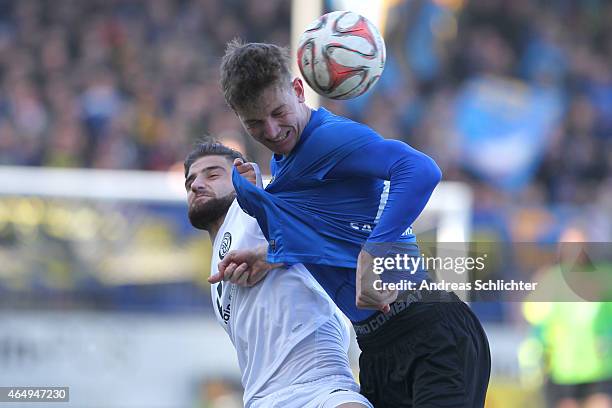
(308,115)
(213,228)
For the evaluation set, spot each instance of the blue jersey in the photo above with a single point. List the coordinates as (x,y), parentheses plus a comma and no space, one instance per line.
(328,198)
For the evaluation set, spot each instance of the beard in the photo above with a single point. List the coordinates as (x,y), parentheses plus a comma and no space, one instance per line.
(201,215)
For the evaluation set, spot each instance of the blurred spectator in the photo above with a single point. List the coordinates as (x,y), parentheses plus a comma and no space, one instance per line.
(572,340)
(123,84)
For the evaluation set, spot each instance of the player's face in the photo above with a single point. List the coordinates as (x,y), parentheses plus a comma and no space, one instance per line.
(278,118)
(209,190)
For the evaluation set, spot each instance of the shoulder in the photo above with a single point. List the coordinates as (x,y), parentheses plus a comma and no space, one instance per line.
(243,228)
(331,121)
(336,129)
(235,216)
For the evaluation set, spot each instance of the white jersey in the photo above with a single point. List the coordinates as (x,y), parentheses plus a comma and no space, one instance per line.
(285,329)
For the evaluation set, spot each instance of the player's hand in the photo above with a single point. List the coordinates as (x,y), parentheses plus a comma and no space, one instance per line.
(367,297)
(244,267)
(246,170)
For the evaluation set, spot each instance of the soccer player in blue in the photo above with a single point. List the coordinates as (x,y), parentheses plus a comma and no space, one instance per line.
(329,208)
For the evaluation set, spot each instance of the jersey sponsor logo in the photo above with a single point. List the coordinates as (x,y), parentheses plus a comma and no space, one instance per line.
(360,226)
(226,243)
(224,313)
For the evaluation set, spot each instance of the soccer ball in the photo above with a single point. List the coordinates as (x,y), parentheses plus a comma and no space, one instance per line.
(341,55)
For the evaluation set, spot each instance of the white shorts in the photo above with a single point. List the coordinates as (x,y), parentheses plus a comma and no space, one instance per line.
(327,392)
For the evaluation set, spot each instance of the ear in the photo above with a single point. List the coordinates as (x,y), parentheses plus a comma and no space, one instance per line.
(298,88)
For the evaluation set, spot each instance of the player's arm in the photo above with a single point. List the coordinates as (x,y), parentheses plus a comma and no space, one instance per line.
(244,267)
(413,177)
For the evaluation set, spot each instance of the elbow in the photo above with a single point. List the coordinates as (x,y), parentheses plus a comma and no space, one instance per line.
(428,173)
(433,172)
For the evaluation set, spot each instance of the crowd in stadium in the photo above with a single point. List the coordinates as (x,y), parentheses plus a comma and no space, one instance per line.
(121,84)
(134,83)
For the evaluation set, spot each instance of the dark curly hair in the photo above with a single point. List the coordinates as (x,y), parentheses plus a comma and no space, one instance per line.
(248,68)
(208,146)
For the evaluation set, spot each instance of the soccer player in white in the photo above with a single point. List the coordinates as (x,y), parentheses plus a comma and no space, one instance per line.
(290,338)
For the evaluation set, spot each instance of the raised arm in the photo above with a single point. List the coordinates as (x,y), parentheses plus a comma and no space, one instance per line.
(413,177)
